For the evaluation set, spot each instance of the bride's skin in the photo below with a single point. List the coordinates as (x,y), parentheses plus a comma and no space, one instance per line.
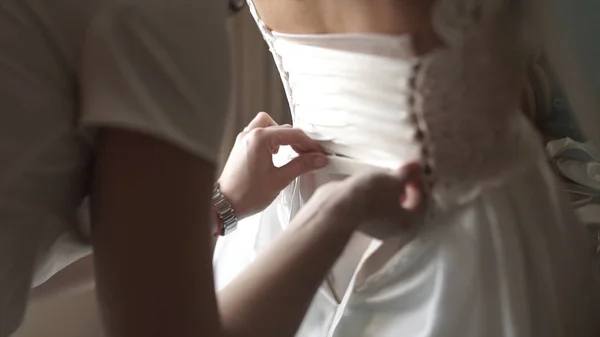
(394,17)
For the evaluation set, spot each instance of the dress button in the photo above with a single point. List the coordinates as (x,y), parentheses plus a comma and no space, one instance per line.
(420,135)
(412,82)
(414,119)
(427,169)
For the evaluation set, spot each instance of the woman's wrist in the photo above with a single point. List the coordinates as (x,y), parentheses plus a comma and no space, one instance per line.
(324,224)
(236,204)
(332,216)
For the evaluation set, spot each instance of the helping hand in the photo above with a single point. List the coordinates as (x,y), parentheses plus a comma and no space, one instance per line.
(250,181)
(381,204)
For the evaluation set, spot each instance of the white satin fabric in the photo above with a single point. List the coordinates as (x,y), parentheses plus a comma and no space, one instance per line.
(501,252)
(513,262)
(352,117)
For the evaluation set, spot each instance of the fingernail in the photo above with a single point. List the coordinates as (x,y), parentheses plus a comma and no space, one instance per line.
(319,161)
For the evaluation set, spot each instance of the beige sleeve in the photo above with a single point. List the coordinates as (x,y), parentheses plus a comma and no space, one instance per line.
(160,68)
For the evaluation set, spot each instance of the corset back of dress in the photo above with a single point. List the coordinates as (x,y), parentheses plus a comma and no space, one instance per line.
(356,103)
(372,99)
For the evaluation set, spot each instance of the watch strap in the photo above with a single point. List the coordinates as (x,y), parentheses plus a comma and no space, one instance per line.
(225,213)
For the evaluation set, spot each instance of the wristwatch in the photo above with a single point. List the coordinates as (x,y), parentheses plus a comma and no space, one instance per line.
(226,215)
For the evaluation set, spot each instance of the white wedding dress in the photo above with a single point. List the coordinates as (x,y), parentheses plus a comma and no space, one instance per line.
(500,252)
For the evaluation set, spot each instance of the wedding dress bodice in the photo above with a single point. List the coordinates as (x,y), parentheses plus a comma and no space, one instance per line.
(372,101)
(510,261)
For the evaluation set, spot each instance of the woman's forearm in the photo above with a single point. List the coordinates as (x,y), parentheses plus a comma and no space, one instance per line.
(153,251)
(272,296)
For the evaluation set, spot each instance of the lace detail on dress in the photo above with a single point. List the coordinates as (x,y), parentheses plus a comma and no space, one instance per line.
(469,98)
(456,109)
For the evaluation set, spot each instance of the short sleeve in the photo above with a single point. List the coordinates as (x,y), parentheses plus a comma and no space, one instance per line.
(160,68)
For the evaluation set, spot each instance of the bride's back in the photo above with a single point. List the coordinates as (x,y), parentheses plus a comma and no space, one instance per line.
(395,17)
(373,83)
(455,68)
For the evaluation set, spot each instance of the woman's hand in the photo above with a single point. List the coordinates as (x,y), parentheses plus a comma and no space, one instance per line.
(379,203)
(272,295)
(250,181)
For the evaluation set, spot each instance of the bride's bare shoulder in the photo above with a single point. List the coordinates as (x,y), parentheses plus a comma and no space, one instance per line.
(345,16)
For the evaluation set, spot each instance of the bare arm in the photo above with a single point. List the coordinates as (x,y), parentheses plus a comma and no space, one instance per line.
(153,258)
(150,207)
(273,295)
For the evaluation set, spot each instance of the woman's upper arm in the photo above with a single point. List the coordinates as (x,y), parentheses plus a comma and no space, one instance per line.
(155,89)
(150,210)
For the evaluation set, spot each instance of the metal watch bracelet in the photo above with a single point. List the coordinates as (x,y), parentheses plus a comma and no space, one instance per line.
(224,211)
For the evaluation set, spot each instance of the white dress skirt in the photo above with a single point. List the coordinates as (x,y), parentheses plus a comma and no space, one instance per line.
(500,252)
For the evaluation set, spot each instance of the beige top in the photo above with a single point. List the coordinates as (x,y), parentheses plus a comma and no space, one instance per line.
(69,66)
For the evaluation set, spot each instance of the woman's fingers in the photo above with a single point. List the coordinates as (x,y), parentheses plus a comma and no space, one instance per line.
(282,134)
(298,166)
(397,193)
(412,195)
(410,180)
(294,137)
(413,199)
(249,179)
(262,120)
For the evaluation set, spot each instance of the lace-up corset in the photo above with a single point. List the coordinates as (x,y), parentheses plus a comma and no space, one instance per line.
(371,99)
